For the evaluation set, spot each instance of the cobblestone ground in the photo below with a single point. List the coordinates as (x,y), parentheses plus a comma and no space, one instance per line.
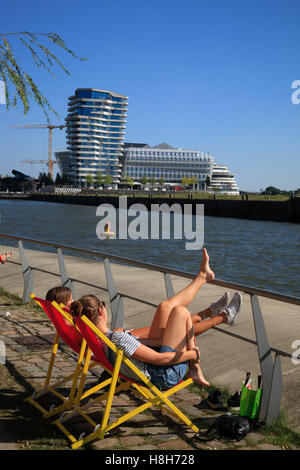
(27,336)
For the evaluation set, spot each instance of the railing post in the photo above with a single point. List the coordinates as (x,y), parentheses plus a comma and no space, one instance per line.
(276,391)
(116,301)
(271,372)
(65,280)
(27,274)
(169,285)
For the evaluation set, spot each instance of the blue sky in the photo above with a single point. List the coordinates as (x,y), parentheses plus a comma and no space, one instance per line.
(209,75)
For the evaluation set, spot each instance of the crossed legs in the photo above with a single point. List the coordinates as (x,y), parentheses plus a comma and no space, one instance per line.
(179,335)
(173,324)
(153,335)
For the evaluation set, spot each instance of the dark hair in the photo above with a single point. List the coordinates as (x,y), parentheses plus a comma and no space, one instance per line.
(88,305)
(60,294)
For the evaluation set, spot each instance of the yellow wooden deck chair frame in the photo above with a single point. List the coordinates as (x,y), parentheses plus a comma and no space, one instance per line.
(151,395)
(50,387)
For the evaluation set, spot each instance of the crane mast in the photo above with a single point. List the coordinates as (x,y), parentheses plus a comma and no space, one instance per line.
(50,162)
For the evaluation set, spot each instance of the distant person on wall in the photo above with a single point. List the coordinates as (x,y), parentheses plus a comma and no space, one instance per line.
(5,256)
(106,232)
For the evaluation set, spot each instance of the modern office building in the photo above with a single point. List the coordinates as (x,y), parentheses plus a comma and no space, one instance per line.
(64,162)
(223,180)
(96,123)
(165,162)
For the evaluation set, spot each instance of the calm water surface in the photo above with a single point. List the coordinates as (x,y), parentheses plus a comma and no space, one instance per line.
(255,253)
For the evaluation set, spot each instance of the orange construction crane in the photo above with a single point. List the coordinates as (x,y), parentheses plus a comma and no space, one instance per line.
(39,161)
(50,162)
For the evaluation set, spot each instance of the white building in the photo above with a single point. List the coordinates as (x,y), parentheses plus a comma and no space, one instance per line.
(165,162)
(223,181)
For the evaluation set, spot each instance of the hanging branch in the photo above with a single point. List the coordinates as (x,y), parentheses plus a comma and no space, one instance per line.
(15,77)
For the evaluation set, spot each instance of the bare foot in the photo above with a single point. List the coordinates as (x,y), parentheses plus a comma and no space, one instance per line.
(5,256)
(205,269)
(196,374)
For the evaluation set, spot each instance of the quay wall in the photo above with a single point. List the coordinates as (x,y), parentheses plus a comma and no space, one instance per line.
(279,211)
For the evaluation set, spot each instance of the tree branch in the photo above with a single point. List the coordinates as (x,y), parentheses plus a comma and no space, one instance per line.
(15,77)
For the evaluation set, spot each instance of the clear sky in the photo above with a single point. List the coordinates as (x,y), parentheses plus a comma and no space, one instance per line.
(209,75)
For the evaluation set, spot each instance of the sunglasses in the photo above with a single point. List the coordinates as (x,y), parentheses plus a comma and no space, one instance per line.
(103,304)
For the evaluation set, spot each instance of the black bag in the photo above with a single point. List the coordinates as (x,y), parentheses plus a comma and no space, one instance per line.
(229,426)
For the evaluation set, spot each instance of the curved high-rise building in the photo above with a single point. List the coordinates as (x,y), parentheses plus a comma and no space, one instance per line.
(96,123)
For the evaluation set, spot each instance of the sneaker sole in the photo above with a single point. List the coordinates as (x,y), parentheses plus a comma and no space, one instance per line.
(237,311)
(221,308)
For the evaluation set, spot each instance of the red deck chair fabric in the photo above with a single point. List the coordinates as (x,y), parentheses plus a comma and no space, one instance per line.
(66,331)
(98,347)
(150,395)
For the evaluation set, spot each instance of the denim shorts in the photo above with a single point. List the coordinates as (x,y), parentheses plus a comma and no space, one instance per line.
(164,377)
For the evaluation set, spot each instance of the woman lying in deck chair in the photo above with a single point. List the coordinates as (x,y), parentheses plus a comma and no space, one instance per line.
(172,331)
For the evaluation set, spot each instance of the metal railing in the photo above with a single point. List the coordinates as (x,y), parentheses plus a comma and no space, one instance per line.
(270,368)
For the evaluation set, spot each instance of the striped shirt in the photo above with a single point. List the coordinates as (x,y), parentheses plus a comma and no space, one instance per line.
(128,344)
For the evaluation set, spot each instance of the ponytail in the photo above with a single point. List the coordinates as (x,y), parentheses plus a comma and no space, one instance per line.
(88,305)
(76,308)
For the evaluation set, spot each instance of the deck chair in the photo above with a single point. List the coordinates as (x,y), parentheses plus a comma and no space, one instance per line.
(67,331)
(150,394)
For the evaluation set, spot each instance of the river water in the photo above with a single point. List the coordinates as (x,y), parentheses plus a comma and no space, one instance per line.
(254,253)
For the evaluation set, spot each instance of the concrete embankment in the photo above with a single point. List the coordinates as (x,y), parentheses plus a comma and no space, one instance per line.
(225,360)
(279,211)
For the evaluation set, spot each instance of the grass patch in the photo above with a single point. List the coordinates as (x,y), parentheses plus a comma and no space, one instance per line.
(11,297)
(278,433)
(16,300)
(195,195)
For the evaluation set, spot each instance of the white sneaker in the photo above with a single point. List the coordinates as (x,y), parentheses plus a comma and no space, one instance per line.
(219,305)
(233,308)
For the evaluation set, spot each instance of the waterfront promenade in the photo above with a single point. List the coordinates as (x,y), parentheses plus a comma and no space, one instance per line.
(224,359)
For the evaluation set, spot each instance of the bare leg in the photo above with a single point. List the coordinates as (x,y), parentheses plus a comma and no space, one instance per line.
(186,295)
(204,325)
(182,298)
(206,313)
(179,335)
(199,326)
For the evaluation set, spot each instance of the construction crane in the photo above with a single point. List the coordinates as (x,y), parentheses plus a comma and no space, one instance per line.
(50,127)
(39,161)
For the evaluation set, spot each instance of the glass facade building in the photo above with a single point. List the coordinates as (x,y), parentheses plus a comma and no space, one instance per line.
(96,123)
(63,159)
(165,162)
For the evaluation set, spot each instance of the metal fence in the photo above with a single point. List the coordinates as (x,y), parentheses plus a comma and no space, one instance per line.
(270,366)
